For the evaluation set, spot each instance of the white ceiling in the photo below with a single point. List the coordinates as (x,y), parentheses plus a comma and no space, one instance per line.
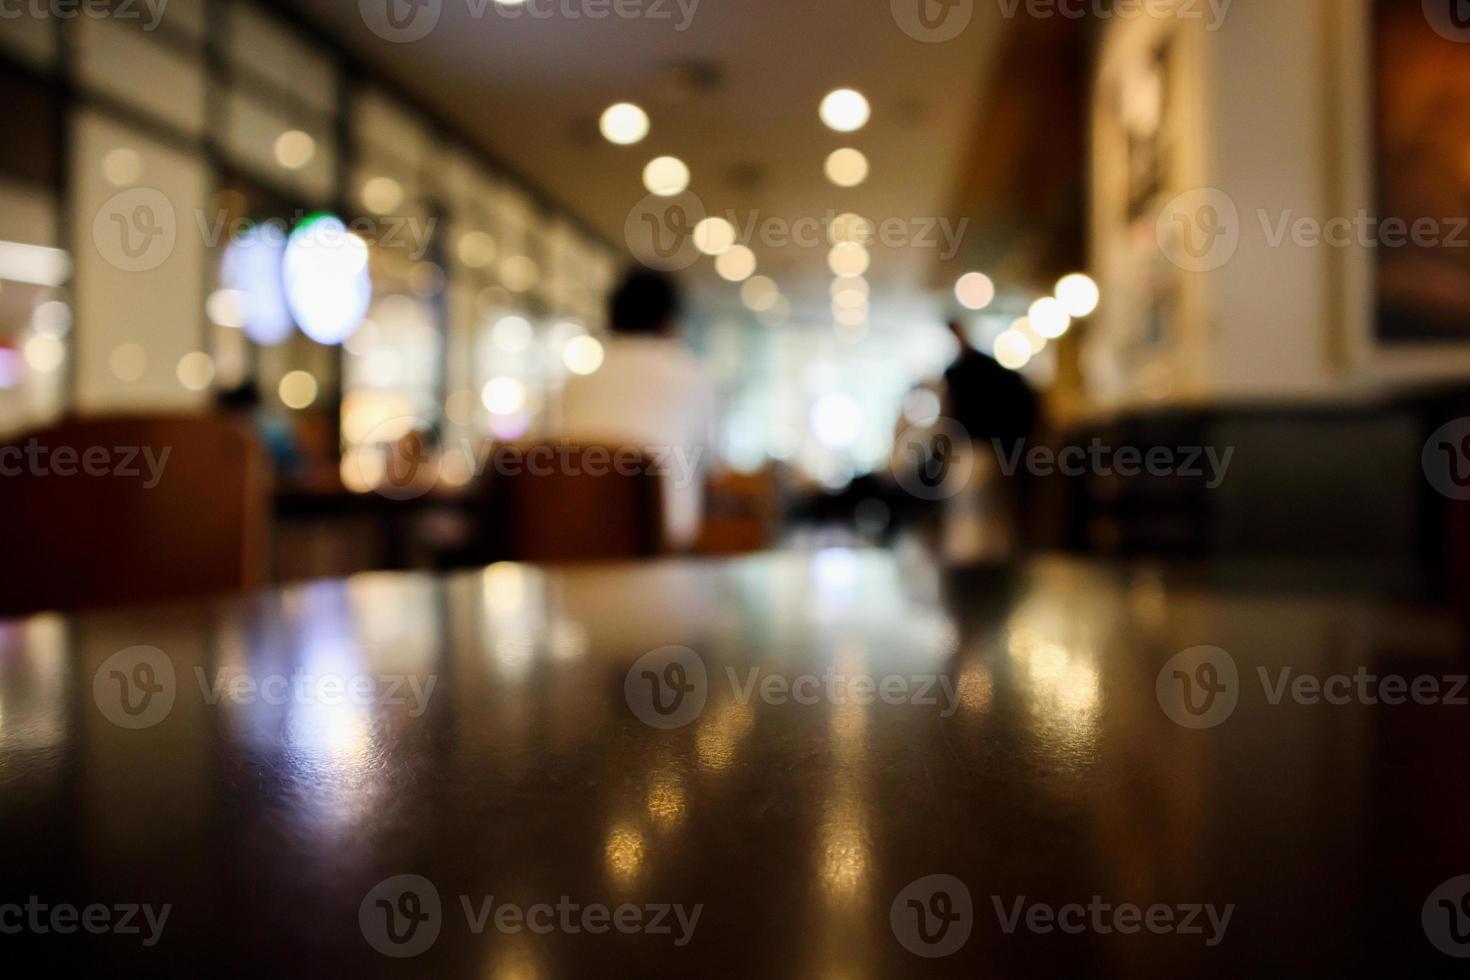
(530,89)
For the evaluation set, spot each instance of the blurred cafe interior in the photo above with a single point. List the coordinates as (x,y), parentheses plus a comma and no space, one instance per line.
(488,348)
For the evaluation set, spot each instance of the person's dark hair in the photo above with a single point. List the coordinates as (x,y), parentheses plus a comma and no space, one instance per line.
(646,303)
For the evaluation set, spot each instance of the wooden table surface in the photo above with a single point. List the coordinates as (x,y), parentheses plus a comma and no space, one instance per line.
(831,764)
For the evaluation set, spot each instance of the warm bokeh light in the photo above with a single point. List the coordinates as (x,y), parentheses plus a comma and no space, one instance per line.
(382,195)
(736,264)
(503,396)
(44,353)
(1049,318)
(848,259)
(974,290)
(226,307)
(294,149)
(476,249)
(666,176)
(582,354)
(850,285)
(122,166)
(1012,350)
(845,110)
(847,167)
(1023,327)
(195,370)
(624,124)
(759,293)
(714,236)
(849,227)
(1078,295)
(519,274)
(298,389)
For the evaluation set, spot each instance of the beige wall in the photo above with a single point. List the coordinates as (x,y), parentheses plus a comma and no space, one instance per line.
(127,292)
(1272,110)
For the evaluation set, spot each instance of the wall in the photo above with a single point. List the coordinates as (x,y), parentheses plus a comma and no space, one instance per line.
(1269,115)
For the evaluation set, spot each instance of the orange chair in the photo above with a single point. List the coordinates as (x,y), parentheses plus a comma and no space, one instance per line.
(561,503)
(114,510)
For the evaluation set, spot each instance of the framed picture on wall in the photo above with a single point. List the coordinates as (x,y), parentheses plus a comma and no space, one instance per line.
(1418,231)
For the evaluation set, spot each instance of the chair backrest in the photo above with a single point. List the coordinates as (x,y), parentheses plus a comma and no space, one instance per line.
(105,511)
(559,502)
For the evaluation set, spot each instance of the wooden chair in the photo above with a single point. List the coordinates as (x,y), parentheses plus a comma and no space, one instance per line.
(93,513)
(554,502)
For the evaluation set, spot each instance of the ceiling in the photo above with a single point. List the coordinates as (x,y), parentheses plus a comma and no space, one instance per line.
(734,94)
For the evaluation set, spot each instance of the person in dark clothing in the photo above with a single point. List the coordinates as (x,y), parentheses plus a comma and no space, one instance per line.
(990,401)
(998,410)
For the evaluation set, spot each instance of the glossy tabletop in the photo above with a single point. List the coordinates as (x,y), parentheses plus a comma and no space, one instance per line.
(835,764)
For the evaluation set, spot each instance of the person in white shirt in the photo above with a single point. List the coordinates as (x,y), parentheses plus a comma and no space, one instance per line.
(650,393)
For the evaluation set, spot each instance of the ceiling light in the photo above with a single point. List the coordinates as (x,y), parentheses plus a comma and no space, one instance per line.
(1012,350)
(294,149)
(1078,294)
(713,236)
(845,110)
(666,176)
(1049,318)
(736,263)
(847,167)
(974,290)
(624,124)
(848,259)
